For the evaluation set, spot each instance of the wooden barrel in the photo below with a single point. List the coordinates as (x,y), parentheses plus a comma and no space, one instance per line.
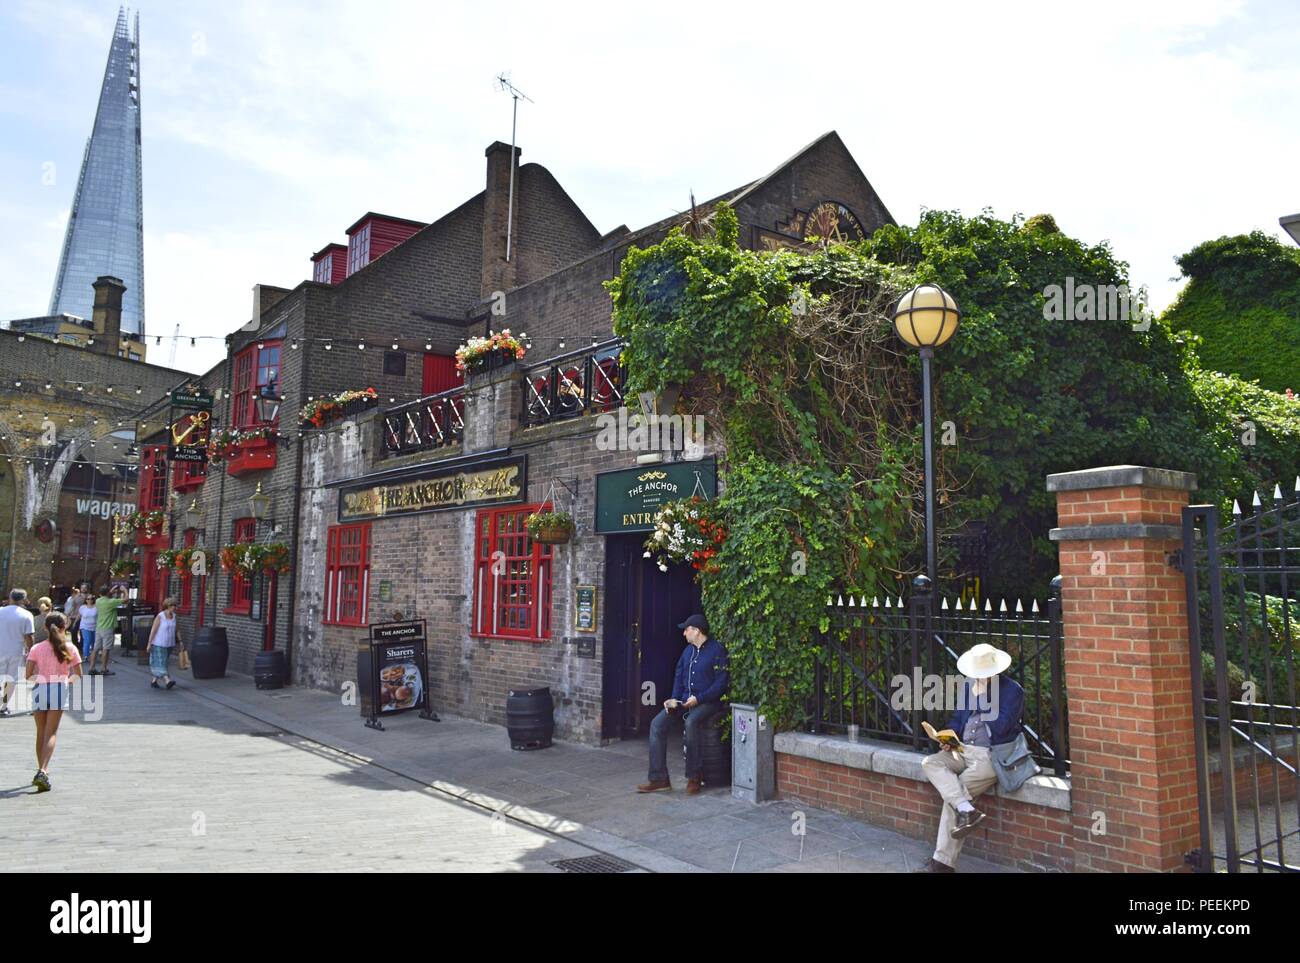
(209,653)
(269,670)
(530,718)
(715,755)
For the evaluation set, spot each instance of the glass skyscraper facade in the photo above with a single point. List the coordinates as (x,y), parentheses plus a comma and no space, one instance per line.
(106,227)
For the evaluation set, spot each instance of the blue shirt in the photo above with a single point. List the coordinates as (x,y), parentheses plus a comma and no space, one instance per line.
(1011,703)
(701,672)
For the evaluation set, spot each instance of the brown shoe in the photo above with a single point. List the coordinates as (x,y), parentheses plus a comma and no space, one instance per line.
(692,787)
(655,785)
(934,866)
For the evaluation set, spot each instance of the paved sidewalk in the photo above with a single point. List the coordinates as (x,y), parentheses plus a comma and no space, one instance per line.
(476,804)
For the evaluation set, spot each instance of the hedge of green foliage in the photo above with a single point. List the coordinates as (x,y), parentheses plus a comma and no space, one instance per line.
(1031,397)
(1242,300)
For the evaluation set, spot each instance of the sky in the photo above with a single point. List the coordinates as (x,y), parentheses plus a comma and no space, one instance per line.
(270,127)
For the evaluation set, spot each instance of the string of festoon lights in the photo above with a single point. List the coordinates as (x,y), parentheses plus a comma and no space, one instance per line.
(396,343)
(128,390)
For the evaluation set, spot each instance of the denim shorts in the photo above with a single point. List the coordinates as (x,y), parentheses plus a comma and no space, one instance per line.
(51,695)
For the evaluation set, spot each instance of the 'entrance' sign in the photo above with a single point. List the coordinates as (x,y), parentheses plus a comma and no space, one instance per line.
(626,501)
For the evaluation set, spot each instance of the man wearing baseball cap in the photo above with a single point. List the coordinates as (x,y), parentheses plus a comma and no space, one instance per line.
(986,722)
(699,684)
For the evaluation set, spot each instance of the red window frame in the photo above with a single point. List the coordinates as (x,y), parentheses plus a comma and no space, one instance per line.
(255,368)
(514,602)
(187,578)
(153,479)
(239,590)
(347,575)
(189,474)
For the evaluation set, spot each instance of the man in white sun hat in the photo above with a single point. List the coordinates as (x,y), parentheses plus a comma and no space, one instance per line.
(991,738)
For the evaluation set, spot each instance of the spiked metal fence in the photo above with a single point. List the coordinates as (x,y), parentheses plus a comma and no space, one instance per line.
(1243,598)
(879,660)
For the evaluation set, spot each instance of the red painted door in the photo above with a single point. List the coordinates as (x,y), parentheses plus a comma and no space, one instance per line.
(440,374)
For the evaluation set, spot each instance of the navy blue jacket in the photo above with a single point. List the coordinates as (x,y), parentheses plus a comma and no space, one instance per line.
(1011,703)
(701,672)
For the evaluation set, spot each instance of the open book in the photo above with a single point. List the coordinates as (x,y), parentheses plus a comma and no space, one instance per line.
(945,737)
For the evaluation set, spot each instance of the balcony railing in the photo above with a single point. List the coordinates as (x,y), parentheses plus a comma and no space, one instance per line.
(434,421)
(583,382)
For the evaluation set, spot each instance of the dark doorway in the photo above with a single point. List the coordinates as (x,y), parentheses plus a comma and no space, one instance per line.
(642,642)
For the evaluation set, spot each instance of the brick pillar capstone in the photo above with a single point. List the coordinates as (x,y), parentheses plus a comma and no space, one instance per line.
(1127,667)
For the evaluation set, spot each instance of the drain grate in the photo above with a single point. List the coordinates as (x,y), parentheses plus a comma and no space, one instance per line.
(594,864)
(268,734)
(187,722)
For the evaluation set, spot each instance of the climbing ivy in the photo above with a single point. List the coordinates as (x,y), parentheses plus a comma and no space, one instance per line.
(791,357)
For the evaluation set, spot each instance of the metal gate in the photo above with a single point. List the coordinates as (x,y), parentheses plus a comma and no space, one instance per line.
(1243,599)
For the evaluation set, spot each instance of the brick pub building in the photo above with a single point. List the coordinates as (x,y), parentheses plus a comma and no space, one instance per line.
(518,624)
(387,310)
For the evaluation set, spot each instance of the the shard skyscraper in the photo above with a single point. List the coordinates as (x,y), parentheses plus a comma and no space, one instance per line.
(106,228)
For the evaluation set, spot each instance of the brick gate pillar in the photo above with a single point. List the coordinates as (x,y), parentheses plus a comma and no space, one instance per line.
(1127,667)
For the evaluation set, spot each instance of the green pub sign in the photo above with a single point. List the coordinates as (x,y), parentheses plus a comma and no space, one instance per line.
(626,501)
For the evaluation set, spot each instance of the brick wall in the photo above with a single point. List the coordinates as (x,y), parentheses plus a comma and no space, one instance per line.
(427,559)
(32,474)
(1020,834)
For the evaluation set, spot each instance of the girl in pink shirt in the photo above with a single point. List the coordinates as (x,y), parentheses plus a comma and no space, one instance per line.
(50,664)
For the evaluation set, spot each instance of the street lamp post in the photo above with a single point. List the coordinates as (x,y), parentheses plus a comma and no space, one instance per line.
(926,317)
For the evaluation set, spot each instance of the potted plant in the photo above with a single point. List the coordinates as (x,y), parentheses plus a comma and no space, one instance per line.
(550,528)
(123,568)
(329,407)
(481,354)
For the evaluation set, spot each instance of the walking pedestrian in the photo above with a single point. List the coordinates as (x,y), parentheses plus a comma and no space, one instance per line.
(50,665)
(44,606)
(106,607)
(162,639)
(73,601)
(16,633)
(86,615)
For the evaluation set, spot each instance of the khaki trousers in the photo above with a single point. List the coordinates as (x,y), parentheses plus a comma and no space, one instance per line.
(958,778)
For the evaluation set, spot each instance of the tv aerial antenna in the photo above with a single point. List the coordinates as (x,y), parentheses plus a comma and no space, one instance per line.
(503,83)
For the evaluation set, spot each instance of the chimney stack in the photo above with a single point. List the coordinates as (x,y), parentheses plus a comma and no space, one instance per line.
(498,273)
(107,315)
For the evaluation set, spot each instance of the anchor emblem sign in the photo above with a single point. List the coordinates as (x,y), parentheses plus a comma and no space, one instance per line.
(190,438)
(193,422)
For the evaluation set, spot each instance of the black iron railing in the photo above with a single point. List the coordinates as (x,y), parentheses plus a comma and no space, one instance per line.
(873,644)
(434,421)
(582,382)
(1243,599)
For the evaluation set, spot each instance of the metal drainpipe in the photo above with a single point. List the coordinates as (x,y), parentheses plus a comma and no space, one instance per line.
(297,512)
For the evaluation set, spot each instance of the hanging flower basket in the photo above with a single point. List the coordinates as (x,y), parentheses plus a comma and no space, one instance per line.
(550,528)
(244,559)
(684,532)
